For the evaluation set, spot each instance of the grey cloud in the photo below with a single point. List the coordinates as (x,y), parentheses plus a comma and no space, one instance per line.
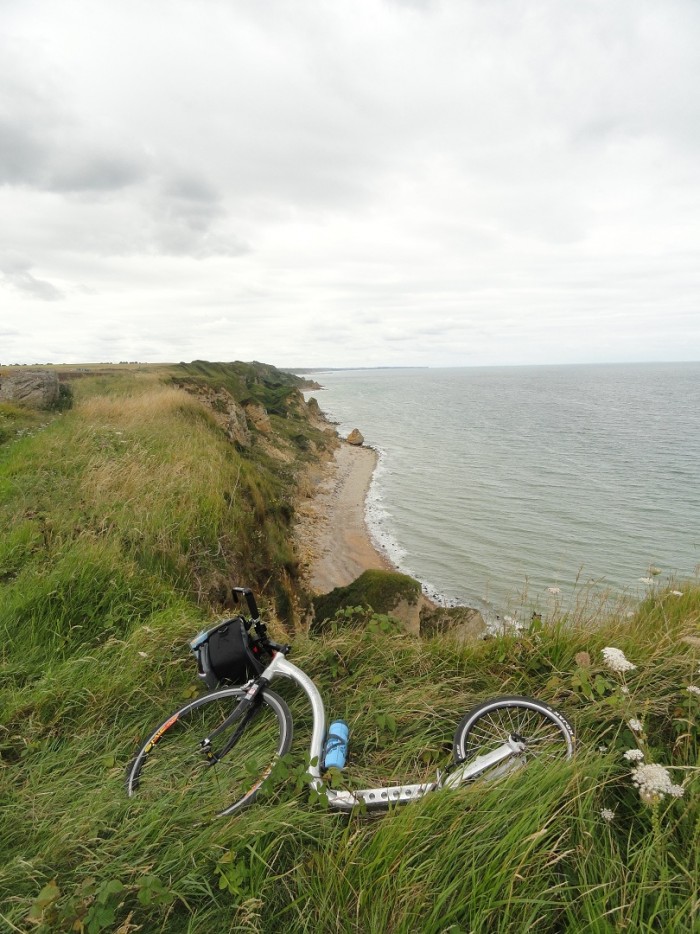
(185,210)
(421,5)
(43,158)
(190,188)
(85,171)
(177,238)
(16,273)
(45,145)
(188,203)
(20,154)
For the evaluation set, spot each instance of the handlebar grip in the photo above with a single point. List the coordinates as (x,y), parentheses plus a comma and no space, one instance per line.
(249,598)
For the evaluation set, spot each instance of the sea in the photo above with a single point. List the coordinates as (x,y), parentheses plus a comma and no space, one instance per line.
(512,488)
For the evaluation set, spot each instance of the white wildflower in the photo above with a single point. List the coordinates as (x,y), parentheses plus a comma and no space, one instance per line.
(653,782)
(635,725)
(602,748)
(693,689)
(624,689)
(677,593)
(607,815)
(616,661)
(554,590)
(634,755)
(646,580)
(143,654)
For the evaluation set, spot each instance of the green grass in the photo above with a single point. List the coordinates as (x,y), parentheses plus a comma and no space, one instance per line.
(122,521)
(17,422)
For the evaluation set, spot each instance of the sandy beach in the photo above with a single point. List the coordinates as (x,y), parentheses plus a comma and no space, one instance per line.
(333,539)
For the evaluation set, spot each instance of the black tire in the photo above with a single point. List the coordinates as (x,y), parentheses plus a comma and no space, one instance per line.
(172,766)
(545,732)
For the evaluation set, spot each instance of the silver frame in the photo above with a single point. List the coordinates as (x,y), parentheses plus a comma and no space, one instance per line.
(382,797)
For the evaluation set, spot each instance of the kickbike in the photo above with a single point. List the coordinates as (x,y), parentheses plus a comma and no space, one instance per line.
(218,750)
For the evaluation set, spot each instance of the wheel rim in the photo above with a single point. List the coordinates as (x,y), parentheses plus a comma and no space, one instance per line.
(544,735)
(175,770)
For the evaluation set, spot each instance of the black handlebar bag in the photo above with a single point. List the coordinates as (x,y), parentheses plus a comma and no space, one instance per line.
(228,655)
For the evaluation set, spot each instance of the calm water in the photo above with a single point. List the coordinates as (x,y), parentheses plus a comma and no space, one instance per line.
(496,481)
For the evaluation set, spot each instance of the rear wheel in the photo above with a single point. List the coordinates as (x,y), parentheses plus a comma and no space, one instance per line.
(544,733)
(175,764)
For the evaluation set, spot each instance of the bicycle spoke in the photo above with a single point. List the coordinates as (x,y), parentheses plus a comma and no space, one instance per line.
(543,733)
(175,766)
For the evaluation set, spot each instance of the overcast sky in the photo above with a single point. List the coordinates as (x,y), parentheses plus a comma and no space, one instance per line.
(374,182)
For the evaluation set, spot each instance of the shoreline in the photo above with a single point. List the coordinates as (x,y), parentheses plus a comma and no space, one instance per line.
(333,540)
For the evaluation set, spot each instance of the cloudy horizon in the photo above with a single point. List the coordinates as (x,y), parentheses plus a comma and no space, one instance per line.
(311,184)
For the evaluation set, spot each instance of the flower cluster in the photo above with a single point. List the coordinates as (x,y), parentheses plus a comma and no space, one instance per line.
(616,661)
(653,782)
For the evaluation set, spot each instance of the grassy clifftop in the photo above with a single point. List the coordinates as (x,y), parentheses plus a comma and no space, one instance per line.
(122,521)
(275,389)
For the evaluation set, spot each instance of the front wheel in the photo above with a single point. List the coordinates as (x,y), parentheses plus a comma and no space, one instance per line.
(176,765)
(543,732)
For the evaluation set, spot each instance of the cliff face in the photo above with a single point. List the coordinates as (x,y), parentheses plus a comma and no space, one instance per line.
(281,438)
(183,478)
(226,411)
(279,393)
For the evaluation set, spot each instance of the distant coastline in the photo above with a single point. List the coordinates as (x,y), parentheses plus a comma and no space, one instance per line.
(304,371)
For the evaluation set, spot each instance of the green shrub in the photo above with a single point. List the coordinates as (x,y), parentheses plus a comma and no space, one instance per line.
(378,590)
(65,398)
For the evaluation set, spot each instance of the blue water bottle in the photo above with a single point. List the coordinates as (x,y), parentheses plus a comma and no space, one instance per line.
(336,745)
